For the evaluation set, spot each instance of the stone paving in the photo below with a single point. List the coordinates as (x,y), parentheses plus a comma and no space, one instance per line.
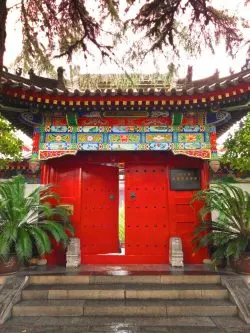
(141,269)
(128,325)
(123,324)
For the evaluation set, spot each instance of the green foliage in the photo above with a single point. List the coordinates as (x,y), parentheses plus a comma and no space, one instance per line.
(123,81)
(238,148)
(229,233)
(29,222)
(189,25)
(61,28)
(10,146)
(224,180)
(121,224)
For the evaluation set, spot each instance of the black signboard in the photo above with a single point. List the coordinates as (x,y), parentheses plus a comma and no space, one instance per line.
(185,179)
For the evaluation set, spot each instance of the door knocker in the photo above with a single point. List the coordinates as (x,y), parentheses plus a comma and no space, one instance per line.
(132,195)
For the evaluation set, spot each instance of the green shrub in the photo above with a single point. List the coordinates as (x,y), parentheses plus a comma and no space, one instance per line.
(29,222)
(121,224)
(229,233)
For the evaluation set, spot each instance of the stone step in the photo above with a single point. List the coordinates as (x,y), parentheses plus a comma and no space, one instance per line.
(119,279)
(142,324)
(124,308)
(121,291)
(109,324)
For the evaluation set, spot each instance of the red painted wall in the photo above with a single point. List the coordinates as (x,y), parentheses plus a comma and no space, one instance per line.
(153,212)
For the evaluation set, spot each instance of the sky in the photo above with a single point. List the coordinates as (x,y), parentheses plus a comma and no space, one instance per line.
(203,65)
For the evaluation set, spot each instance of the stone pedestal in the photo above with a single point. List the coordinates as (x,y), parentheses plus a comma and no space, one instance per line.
(73,255)
(175,252)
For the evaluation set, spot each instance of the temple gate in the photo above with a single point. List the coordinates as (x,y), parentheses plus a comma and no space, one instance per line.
(156,142)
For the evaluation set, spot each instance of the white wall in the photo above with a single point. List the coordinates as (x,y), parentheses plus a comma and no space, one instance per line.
(30,187)
(244,186)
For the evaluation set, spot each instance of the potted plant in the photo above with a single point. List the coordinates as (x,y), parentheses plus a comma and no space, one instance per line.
(229,232)
(28,223)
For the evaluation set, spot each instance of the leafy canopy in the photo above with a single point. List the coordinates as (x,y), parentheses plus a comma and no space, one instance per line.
(229,233)
(238,148)
(29,222)
(63,27)
(10,145)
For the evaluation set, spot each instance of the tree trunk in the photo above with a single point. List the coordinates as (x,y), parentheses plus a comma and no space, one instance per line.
(3,18)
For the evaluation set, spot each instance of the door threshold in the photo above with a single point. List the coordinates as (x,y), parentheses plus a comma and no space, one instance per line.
(112,254)
(122,253)
(118,258)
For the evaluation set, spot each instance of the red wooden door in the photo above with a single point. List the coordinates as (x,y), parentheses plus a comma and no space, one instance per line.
(146,230)
(99,209)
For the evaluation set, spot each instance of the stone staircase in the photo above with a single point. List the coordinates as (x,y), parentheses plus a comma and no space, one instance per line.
(125,296)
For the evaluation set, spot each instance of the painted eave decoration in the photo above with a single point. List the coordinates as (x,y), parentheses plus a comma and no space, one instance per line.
(222,94)
(182,120)
(228,91)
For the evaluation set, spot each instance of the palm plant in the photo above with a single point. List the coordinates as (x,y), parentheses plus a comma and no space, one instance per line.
(29,222)
(229,233)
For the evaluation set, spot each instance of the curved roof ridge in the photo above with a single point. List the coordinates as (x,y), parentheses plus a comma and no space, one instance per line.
(182,87)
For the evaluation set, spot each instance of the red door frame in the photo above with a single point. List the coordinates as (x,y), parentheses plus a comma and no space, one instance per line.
(183,215)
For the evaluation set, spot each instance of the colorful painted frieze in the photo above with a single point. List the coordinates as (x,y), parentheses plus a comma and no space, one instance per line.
(107,134)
